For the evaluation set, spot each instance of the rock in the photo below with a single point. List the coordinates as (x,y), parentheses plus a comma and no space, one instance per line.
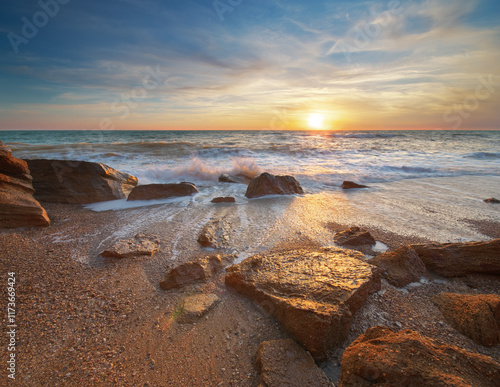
(285,363)
(223,200)
(81,182)
(140,245)
(491,200)
(475,316)
(354,236)
(195,307)
(18,207)
(460,259)
(401,266)
(162,191)
(236,179)
(351,185)
(267,184)
(195,271)
(215,234)
(381,357)
(313,293)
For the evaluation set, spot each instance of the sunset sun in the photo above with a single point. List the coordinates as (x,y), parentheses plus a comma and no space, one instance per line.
(315,121)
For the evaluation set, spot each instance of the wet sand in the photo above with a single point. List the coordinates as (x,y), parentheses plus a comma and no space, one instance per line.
(84,320)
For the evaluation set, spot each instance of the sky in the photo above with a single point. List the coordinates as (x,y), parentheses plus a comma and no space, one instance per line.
(249,64)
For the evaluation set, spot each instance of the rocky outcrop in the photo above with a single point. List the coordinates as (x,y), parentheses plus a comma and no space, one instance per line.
(65,181)
(354,236)
(460,259)
(352,185)
(197,306)
(235,179)
(267,184)
(381,357)
(491,200)
(313,293)
(18,207)
(285,363)
(224,200)
(162,191)
(140,245)
(215,234)
(401,266)
(195,271)
(475,316)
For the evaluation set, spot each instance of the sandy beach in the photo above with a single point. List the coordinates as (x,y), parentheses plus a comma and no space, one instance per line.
(86,320)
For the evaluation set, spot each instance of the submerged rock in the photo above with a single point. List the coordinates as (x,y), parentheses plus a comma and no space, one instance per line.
(195,271)
(140,245)
(285,363)
(267,184)
(354,236)
(475,316)
(313,293)
(223,200)
(351,185)
(381,357)
(460,259)
(401,266)
(236,179)
(162,191)
(491,200)
(80,182)
(18,207)
(215,234)
(197,306)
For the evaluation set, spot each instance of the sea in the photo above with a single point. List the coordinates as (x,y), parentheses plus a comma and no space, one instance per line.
(424,184)
(321,161)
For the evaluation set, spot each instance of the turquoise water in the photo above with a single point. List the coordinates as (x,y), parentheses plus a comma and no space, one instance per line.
(320,160)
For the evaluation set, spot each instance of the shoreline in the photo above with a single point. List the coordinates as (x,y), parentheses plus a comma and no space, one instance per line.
(85,319)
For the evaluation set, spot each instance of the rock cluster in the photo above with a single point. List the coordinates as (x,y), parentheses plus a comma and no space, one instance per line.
(381,357)
(18,207)
(267,184)
(81,182)
(313,293)
(475,316)
(162,191)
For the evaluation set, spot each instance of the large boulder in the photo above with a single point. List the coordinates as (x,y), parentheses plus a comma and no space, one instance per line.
(460,259)
(313,293)
(267,184)
(401,266)
(195,271)
(285,363)
(354,236)
(18,207)
(80,182)
(140,245)
(381,357)
(162,191)
(475,316)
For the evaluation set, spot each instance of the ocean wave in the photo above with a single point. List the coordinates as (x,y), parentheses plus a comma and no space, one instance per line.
(407,169)
(364,135)
(200,170)
(483,155)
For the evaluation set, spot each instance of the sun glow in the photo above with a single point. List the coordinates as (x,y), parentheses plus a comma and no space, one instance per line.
(315,121)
